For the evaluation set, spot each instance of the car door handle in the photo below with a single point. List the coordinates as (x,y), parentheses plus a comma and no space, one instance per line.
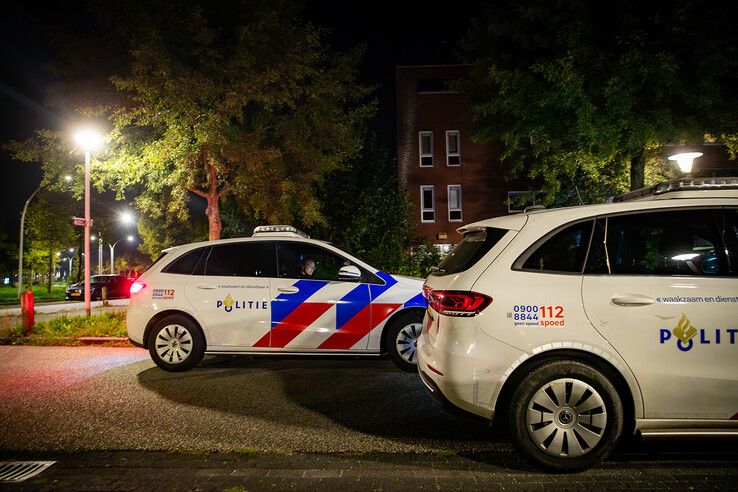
(288,290)
(632,300)
(207,286)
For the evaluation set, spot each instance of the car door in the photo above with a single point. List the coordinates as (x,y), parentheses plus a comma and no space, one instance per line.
(658,287)
(230,292)
(316,310)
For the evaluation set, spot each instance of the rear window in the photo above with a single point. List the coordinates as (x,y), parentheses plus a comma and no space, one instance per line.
(186,263)
(470,250)
(564,252)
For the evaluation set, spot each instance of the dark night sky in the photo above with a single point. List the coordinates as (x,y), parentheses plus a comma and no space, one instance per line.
(414,35)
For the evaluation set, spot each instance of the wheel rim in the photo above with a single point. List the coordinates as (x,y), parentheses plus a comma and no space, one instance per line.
(174,344)
(407,340)
(566,418)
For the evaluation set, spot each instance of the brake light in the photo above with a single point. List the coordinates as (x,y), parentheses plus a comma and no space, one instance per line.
(426,291)
(137,287)
(458,303)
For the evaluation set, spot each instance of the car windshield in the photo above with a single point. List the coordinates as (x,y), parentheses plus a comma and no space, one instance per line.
(99,279)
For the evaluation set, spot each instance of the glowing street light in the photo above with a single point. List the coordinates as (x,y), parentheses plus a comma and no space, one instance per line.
(130,239)
(127,218)
(685,160)
(89,140)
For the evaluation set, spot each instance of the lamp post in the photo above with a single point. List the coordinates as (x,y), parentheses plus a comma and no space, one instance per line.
(22,224)
(112,253)
(685,160)
(88,140)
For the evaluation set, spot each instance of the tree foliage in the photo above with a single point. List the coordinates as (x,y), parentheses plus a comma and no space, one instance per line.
(49,228)
(580,90)
(246,103)
(366,212)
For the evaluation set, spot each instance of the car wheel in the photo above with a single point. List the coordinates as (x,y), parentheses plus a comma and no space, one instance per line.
(565,416)
(176,343)
(401,340)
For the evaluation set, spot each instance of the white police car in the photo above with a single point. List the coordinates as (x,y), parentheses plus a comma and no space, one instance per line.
(276,292)
(579,325)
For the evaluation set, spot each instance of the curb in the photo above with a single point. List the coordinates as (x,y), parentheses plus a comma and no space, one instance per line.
(59,341)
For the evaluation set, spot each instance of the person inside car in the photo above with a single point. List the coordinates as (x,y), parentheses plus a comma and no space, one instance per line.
(308,268)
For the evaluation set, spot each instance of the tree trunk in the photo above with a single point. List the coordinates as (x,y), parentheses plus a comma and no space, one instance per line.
(213,208)
(51,266)
(637,171)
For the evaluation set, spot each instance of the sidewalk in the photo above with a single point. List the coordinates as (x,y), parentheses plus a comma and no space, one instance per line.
(249,470)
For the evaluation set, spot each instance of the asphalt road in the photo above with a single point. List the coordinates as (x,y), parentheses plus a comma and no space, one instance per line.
(75,404)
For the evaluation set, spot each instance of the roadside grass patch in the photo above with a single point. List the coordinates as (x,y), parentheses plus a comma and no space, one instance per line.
(247,451)
(446,453)
(9,294)
(65,329)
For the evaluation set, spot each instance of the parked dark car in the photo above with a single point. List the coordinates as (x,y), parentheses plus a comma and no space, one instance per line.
(118,286)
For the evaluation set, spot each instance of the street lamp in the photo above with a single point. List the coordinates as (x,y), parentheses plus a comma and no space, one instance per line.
(685,160)
(88,140)
(112,252)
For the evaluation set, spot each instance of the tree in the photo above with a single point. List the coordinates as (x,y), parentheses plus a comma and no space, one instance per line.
(245,102)
(366,211)
(49,226)
(580,88)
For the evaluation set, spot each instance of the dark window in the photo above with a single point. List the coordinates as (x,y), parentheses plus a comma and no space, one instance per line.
(684,242)
(435,85)
(252,259)
(294,258)
(563,252)
(597,258)
(729,223)
(185,264)
(470,250)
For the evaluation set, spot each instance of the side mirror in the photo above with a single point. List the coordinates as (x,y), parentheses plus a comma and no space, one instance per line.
(349,273)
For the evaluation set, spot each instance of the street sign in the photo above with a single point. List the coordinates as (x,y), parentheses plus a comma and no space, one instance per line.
(79,221)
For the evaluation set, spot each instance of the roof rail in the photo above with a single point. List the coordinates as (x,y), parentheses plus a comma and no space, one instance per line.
(684,184)
(286,230)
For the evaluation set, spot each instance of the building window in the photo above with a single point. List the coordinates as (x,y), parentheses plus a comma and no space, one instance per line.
(454,203)
(453,148)
(518,201)
(427,203)
(425,144)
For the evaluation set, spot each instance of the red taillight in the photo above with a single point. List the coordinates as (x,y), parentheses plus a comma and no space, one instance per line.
(426,291)
(458,303)
(137,287)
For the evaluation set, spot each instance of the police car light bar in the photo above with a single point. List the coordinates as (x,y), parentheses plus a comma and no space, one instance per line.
(687,184)
(270,229)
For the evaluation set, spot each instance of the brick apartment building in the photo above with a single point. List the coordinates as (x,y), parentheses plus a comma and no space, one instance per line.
(450,179)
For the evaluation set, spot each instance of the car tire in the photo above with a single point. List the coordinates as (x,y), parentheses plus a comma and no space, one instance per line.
(176,343)
(401,340)
(565,416)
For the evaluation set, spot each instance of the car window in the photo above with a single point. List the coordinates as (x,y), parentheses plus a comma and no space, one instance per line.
(729,228)
(248,259)
(470,250)
(684,242)
(305,260)
(185,264)
(565,251)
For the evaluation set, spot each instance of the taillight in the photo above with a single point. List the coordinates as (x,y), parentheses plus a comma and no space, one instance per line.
(426,291)
(458,303)
(137,287)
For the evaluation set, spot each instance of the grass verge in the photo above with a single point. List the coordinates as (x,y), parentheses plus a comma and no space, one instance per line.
(9,294)
(66,329)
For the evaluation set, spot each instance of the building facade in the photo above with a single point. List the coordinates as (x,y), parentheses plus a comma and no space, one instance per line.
(451,180)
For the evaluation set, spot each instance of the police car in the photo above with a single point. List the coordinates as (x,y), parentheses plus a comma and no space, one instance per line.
(578,325)
(276,292)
